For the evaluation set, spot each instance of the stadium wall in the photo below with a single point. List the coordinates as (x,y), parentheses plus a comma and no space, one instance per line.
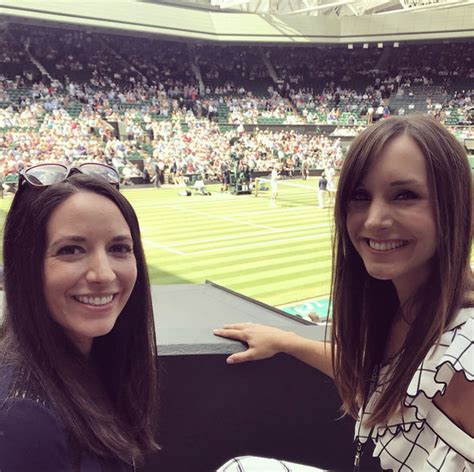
(179,22)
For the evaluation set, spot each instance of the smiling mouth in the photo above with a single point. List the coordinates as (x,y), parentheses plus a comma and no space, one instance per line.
(94,301)
(385,246)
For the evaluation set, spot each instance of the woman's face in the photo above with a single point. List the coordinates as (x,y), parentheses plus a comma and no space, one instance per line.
(89,268)
(390,217)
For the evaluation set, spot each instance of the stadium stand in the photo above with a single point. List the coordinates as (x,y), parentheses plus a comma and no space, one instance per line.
(70,94)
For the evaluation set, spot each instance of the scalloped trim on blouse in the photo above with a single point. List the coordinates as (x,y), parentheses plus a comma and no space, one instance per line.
(420,437)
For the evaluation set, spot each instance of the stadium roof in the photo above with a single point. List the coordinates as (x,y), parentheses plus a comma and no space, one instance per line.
(320,7)
(337,22)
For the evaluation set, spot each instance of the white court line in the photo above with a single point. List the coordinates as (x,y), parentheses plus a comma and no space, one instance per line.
(148,242)
(225,218)
(270,211)
(249,235)
(228,248)
(265,243)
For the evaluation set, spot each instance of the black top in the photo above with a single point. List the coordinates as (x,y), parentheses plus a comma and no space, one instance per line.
(33,438)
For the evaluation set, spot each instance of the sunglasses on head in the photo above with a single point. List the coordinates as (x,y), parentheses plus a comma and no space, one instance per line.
(43,175)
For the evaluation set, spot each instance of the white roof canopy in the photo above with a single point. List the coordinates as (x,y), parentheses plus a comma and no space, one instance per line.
(336,8)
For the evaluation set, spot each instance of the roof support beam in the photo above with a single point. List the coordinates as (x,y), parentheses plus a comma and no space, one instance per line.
(354,10)
(428,7)
(322,7)
(229,3)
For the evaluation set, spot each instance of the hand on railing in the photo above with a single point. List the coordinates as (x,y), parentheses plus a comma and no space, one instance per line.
(263,341)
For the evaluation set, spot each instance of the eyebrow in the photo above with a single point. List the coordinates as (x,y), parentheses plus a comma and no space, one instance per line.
(398,183)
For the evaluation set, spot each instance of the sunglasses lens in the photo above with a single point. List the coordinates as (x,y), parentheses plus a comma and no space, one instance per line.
(48,174)
(106,172)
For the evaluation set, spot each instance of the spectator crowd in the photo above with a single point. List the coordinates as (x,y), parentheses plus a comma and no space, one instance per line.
(183,107)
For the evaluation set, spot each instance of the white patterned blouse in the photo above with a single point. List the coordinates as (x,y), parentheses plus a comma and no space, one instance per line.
(421,438)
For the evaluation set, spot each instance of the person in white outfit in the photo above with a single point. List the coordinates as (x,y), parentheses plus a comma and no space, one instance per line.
(274,185)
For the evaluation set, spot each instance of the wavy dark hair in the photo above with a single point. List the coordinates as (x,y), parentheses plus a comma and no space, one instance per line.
(364,307)
(108,401)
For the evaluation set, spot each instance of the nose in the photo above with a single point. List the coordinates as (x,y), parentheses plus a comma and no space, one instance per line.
(379,216)
(100,270)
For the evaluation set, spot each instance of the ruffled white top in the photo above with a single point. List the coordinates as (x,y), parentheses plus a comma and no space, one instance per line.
(420,437)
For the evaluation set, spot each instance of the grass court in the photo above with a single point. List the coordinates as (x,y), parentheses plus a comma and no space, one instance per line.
(279,255)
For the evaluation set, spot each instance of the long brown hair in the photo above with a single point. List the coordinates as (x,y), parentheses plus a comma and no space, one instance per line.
(108,402)
(364,307)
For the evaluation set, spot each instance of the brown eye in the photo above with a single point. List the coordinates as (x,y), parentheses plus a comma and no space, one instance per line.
(406,195)
(360,195)
(70,251)
(121,248)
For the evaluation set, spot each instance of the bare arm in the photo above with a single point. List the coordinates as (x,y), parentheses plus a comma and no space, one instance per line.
(265,341)
(457,402)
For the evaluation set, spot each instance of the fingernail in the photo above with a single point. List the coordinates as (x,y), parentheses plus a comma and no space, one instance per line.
(230,361)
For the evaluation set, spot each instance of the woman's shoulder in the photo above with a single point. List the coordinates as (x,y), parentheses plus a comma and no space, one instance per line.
(31,437)
(18,381)
(420,427)
(452,353)
(26,415)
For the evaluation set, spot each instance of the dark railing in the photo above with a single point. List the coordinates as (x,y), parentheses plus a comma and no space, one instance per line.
(211,411)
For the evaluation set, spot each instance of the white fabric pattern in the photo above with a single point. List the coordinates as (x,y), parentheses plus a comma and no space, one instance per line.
(420,438)
(263,464)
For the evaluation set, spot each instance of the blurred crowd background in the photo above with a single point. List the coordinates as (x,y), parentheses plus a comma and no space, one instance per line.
(162,110)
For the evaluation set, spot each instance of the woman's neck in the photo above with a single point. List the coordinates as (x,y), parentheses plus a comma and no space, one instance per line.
(397,336)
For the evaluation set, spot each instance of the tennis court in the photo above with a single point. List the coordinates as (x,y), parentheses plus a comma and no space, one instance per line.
(277,255)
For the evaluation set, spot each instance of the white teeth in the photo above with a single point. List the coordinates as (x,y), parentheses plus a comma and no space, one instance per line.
(96,301)
(386,246)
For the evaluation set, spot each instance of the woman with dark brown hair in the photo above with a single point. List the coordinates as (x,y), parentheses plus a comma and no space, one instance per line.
(78,372)
(401,351)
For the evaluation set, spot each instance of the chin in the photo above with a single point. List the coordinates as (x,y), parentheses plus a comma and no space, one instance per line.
(380,274)
(99,331)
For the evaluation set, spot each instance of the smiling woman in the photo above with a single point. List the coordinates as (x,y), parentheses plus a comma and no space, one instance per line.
(401,349)
(89,268)
(78,366)
(390,218)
